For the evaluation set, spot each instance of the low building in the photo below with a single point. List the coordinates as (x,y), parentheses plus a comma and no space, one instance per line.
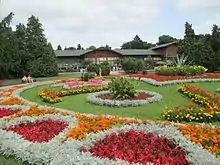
(74,57)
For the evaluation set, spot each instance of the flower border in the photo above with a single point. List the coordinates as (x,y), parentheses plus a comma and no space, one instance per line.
(196,154)
(93,98)
(34,153)
(175,82)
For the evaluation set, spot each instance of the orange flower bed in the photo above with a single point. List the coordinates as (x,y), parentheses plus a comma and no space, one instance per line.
(87,125)
(12,101)
(33,111)
(208,138)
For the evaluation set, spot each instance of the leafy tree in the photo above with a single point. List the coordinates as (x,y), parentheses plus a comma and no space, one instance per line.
(91,47)
(70,48)
(165,39)
(79,47)
(137,43)
(59,47)
(132,65)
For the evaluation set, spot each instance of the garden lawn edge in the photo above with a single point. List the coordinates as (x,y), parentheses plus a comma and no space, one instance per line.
(175,82)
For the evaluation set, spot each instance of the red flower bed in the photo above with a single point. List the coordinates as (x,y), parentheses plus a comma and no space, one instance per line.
(138,147)
(7,112)
(168,78)
(140,96)
(39,131)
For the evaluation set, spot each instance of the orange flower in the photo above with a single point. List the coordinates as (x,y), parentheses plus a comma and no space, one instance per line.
(12,101)
(208,138)
(87,125)
(33,111)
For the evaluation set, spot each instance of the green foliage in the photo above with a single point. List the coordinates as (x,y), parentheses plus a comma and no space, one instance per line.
(202,49)
(132,65)
(59,47)
(122,88)
(93,67)
(25,50)
(137,43)
(105,68)
(185,70)
(87,76)
(164,39)
(180,60)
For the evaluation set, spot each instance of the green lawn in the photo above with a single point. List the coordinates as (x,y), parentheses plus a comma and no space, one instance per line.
(62,76)
(77,103)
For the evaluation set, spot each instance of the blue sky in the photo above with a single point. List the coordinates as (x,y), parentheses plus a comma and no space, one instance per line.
(100,22)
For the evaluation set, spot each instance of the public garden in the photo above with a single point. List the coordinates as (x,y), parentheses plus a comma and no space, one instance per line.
(169,117)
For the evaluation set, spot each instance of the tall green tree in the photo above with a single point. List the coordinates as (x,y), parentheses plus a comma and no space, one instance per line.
(42,61)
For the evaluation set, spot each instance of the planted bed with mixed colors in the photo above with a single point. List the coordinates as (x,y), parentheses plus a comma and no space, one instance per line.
(38,134)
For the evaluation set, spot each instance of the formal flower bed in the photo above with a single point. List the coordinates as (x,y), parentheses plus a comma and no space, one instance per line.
(79,84)
(95,98)
(138,147)
(208,100)
(42,135)
(54,97)
(158,80)
(208,109)
(38,131)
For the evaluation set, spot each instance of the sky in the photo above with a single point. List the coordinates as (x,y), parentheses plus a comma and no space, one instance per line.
(101,22)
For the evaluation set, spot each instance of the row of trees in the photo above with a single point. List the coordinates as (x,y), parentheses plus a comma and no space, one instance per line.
(202,49)
(136,43)
(25,50)
(79,47)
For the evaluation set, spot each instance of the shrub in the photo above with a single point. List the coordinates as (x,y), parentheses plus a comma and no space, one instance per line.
(105,68)
(94,67)
(180,71)
(131,65)
(87,76)
(122,88)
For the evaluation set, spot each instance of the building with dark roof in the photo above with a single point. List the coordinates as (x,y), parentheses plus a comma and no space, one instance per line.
(160,52)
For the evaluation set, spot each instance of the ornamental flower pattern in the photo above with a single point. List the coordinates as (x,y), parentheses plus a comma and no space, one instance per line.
(84,130)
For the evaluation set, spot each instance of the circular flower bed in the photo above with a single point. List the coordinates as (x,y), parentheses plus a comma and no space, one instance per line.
(105,98)
(138,147)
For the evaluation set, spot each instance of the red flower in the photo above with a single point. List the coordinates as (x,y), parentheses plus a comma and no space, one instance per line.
(39,131)
(138,147)
(7,112)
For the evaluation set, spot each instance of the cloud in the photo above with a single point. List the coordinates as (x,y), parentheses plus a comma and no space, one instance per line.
(198,3)
(206,27)
(89,22)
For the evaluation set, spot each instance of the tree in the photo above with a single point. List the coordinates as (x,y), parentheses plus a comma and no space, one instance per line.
(42,61)
(70,48)
(132,65)
(79,47)
(165,39)
(137,43)
(91,47)
(59,47)
(107,47)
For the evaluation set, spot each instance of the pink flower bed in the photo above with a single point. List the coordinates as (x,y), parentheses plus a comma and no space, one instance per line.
(96,82)
(7,112)
(73,84)
(138,147)
(39,131)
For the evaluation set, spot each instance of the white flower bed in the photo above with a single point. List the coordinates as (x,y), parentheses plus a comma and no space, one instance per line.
(174,82)
(71,154)
(94,99)
(218,90)
(80,86)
